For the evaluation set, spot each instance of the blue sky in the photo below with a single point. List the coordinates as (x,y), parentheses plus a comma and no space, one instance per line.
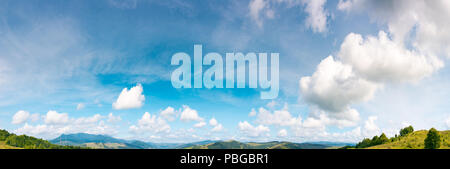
(64,63)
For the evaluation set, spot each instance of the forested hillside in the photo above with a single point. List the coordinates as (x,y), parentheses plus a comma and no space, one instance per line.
(13,141)
(408,139)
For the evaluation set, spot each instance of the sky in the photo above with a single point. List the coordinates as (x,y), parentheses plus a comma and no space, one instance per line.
(348,69)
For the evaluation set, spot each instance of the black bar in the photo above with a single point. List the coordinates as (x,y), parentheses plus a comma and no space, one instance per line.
(275,158)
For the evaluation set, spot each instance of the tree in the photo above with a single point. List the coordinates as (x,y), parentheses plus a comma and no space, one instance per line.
(4,134)
(374,141)
(365,143)
(405,131)
(382,139)
(433,140)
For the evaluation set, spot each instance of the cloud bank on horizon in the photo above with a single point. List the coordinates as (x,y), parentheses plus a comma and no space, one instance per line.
(349,69)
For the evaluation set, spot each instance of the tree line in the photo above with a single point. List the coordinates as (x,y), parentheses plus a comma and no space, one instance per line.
(382,139)
(432,141)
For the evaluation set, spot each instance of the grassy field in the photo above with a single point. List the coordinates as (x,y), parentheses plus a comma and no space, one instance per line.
(5,146)
(415,140)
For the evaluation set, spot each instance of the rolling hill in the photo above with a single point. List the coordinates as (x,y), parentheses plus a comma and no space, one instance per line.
(13,141)
(332,144)
(83,140)
(100,141)
(415,140)
(3,145)
(232,144)
(411,140)
(108,142)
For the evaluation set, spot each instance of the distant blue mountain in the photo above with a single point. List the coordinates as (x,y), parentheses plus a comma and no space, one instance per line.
(81,138)
(333,144)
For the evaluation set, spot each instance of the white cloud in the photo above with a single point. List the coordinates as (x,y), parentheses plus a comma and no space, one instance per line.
(200,124)
(37,130)
(282,133)
(252,131)
(252,113)
(279,117)
(380,59)
(346,5)
(256,6)
(407,53)
(334,86)
(150,123)
(348,136)
(317,15)
(421,22)
(405,124)
(213,122)
(447,122)
(271,104)
(80,106)
(320,119)
(23,116)
(60,123)
(314,126)
(87,120)
(314,129)
(311,122)
(155,137)
(317,18)
(113,119)
(270,14)
(216,125)
(168,113)
(346,118)
(54,117)
(51,131)
(128,99)
(370,128)
(189,114)
(35,117)
(217,128)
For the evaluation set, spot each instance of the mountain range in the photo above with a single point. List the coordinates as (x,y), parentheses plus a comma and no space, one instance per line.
(232,144)
(108,142)
(411,140)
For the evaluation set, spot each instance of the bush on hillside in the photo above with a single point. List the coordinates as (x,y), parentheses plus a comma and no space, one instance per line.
(433,140)
(405,131)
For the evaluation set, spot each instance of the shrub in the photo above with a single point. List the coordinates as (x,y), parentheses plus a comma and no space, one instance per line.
(433,140)
(405,131)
